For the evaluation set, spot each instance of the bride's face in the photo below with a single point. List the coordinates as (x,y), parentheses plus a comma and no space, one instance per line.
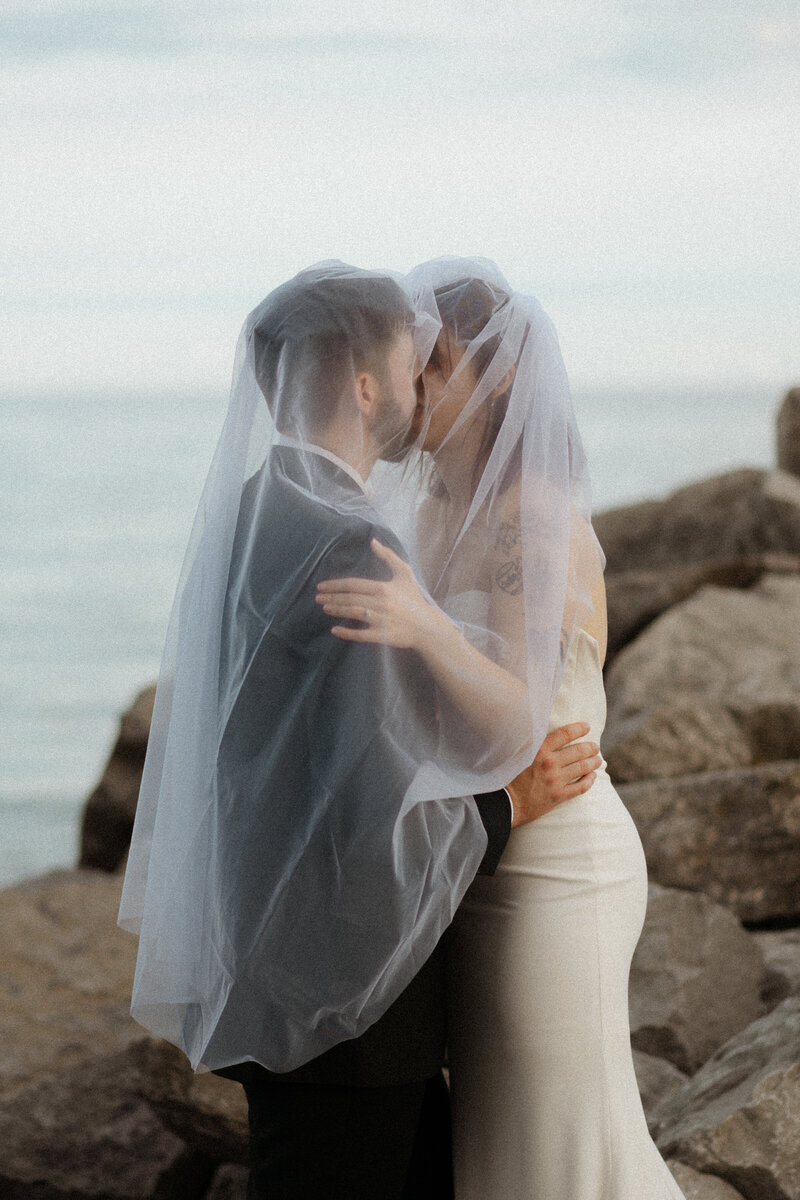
(446,389)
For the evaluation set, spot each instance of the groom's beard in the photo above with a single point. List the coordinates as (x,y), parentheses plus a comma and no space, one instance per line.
(393,430)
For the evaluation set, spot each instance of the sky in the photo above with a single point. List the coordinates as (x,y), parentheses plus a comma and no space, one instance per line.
(165,165)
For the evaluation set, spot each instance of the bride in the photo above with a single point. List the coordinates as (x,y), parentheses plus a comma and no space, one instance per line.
(544,1095)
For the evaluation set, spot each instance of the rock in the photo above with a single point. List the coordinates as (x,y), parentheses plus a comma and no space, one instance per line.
(66,977)
(230,1183)
(635,598)
(739,1117)
(656,1078)
(207,1112)
(84,1133)
(781,950)
(695,978)
(788,432)
(701,1187)
(738,650)
(678,737)
(735,515)
(734,835)
(110,810)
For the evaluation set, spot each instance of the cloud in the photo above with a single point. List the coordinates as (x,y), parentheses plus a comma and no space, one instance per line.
(151,191)
(44,30)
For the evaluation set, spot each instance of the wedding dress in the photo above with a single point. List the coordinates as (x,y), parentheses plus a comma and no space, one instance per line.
(545,1100)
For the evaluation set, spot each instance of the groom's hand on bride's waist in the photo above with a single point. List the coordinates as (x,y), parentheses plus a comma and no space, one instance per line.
(563,768)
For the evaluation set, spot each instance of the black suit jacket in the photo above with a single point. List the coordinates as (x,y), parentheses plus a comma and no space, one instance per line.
(407,1043)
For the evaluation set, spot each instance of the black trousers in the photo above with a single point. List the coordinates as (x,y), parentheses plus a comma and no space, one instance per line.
(330,1142)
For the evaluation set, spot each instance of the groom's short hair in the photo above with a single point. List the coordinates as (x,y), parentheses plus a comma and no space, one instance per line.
(322,327)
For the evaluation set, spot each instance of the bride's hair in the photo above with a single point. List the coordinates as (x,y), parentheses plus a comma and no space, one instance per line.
(466,307)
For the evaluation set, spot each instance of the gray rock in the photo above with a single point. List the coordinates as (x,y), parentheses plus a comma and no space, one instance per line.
(84,1133)
(738,514)
(788,432)
(110,810)
(695,978)
(734,835)
(701,1187)
(636,598)
(66,977)
(739,1117)
(656,1078)
(737,650)
(781,950)
(678,737)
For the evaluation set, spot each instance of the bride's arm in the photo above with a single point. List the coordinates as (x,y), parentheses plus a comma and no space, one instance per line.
(492,700)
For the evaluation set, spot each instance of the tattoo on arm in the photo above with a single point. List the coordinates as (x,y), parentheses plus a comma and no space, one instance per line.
(509,576)
(509,536)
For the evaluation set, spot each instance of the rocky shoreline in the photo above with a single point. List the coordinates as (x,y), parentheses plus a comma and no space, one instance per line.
(703,737)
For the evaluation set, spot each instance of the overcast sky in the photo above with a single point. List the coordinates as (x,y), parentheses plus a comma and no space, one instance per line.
(166,164)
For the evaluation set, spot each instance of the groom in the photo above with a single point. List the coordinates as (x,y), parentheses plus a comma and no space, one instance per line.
(367,1119)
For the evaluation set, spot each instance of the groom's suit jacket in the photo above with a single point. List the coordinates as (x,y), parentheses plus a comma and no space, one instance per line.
(407,1043)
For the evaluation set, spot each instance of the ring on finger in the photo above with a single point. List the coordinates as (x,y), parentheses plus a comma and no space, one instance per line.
(366,614)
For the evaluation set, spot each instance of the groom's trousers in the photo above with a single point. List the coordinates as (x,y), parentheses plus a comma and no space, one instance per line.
(333,1142)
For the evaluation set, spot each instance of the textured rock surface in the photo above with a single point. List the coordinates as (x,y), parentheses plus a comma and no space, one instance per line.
(734,835)
(656,1078)
(207,1112)
(788,432)
(739,1117)
(695,978)
(680,736)
(635,598)
(66,975)
(111,808)
(735,515)
(781,950)
(734,649)
(701,1187)
(85,1133)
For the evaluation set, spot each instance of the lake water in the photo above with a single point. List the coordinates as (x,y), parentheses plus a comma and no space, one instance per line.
(97,494)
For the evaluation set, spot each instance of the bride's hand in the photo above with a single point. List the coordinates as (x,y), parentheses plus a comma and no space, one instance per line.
(394,612)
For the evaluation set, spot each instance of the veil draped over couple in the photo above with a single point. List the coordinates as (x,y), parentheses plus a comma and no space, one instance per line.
(375,832)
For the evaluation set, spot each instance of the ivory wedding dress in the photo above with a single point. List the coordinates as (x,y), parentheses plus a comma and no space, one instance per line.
(545,1100)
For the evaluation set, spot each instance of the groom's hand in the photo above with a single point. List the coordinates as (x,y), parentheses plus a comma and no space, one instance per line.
(563,768)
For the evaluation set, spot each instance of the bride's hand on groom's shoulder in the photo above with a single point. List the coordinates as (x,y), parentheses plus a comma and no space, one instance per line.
(563,768)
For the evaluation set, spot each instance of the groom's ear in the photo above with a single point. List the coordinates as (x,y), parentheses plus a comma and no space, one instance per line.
(367,392)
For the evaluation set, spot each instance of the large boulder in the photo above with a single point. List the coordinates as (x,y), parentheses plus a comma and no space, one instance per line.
(738,1118)
(734,650)
(656,1078)
(738,514)
(695,978)
(86,1133)
(788,432)
(66,1030)
(781,950)
(734,835)
(678,737)
(636,598)
(696,1186)
(66,977)
(110,810)
(207,1112)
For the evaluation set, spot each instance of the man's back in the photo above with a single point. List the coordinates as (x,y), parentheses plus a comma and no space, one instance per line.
(332,701)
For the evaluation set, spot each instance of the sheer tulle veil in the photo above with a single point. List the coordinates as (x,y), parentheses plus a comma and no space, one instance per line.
(306,826)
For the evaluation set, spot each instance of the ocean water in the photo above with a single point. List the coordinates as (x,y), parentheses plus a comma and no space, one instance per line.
(97,495)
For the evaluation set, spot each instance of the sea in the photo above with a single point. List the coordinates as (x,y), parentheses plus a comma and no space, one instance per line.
(97,496)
